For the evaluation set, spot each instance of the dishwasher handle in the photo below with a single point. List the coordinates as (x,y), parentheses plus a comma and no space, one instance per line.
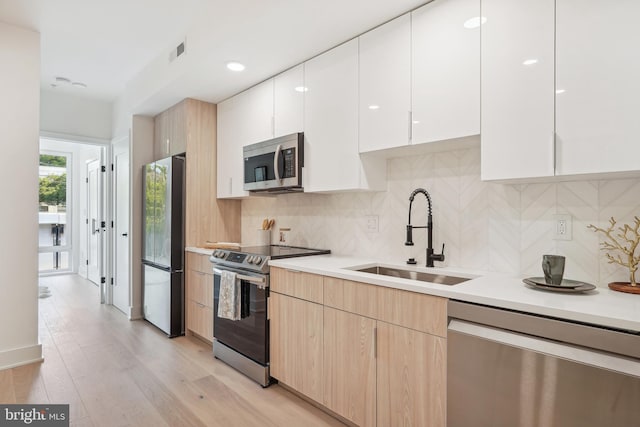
(577,354)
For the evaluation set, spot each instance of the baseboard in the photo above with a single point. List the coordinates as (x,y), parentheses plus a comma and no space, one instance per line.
(135,313)
(20,356)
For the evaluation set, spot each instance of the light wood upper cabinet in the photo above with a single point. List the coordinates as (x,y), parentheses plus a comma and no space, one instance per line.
(170,131)
(445,71)
(350,366)
(517,89)
(288,107)
(597,86)
(411,377)
(385,85)
(296,334)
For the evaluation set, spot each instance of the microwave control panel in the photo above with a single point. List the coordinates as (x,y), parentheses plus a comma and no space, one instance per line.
(289,156)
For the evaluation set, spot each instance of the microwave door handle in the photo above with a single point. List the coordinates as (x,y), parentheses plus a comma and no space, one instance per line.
(276,162)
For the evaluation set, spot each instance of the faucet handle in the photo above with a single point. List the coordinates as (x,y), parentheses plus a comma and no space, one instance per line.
(440,256)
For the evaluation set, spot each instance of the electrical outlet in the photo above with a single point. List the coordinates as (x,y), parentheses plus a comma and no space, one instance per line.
(372,223)
(562,227)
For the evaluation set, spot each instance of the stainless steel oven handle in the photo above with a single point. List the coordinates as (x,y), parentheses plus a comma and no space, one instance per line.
(252,279)
(276,165)
(581,355)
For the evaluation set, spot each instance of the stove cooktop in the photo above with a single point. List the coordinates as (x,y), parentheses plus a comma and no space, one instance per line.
(279,252)
(256,258)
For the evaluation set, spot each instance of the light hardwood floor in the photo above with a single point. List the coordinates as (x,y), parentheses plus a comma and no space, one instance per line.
(114,372)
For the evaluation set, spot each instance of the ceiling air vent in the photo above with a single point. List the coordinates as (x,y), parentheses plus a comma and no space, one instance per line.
(179,50)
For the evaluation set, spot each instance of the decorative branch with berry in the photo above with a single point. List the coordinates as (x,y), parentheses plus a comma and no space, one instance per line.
(623,239)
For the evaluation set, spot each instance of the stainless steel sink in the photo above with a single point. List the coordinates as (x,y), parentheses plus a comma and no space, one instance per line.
(440,279)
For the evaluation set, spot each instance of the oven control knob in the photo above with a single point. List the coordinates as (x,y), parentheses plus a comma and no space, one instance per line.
(216,254)
(257,260)
(250,259)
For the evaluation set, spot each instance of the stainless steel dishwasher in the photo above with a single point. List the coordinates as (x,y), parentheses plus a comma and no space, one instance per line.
(511,369)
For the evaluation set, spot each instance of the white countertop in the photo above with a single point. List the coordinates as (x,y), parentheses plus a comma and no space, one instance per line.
(202,251)
(601,306)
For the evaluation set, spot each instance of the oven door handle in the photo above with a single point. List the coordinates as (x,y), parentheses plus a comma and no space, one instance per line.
(252,279)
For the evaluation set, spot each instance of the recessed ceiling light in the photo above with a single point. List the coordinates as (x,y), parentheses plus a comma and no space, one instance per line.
(530,62)
(373,107)
(235,66)
(474,22)
(415,122)
(301,89)
(78,84)
(559,91)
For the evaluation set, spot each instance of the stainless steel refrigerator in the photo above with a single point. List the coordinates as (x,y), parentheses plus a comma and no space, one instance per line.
(163,244)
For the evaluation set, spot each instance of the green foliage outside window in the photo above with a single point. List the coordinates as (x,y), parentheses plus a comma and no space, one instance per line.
(53,190)
(50,160)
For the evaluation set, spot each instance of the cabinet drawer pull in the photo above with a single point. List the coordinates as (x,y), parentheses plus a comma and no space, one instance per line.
(375,343)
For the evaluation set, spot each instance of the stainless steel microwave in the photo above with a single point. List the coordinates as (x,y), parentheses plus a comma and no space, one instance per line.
(274,165)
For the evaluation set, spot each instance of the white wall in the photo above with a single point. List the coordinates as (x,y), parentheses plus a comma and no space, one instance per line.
(19,110)
(485,226)
(73,116)
(141,154)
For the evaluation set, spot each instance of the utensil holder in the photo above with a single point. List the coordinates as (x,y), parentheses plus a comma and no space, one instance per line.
(264,237)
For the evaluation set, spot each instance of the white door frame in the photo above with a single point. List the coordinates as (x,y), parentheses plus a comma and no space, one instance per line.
(105,144)
(119,145)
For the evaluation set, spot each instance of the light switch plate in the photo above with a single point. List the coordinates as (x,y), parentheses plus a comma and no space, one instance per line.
(371,223)
(562,226)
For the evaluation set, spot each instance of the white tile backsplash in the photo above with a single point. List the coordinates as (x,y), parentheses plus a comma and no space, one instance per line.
(487,226)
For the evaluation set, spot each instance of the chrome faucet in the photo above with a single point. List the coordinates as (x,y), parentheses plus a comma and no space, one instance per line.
(430,255)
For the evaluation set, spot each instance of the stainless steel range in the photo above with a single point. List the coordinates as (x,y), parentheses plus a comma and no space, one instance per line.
(244,343)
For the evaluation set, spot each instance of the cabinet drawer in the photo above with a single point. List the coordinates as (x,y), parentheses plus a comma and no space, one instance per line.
(200,287)
(354,297)
(297,284)
(198,262)
(200,320)
(425,313)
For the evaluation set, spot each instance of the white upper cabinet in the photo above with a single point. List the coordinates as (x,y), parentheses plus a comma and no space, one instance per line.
(597,86)
(385,85)
(244,119)
(446,70)
(517,89)
(288,109)
(332,159)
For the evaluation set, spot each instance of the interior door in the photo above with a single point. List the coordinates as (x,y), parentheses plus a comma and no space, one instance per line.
(121,226)
(93,221)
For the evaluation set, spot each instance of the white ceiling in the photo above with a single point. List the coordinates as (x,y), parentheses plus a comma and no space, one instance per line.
(112,45)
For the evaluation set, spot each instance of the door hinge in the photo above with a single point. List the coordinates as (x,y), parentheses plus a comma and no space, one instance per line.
(111,167)
(103,224)
(87,221)
(103,168)
(111,224)
(103,280)
(86,180)
(112,281)
(87,262)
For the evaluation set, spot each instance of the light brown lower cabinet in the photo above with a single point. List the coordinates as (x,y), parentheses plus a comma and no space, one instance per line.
(361,358)
(200,319)
(296,344)
(199,296)
(411,375)
(349,386)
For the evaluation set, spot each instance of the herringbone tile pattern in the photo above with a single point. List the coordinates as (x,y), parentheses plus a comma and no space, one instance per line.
(485,226)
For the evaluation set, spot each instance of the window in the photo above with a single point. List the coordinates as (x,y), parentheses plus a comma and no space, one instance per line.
(54,231)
